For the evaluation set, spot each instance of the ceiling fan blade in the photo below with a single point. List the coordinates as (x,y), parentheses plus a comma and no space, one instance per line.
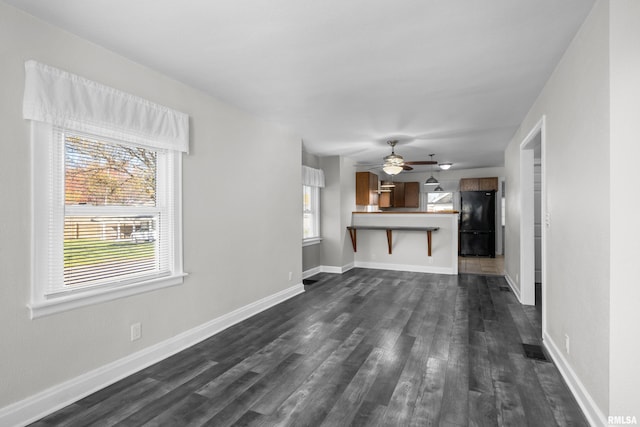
(406,167)
(422,162)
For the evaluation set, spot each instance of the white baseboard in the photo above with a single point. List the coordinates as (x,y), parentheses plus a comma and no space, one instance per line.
(39,405)
(514,288)
(326,269)
(592,412)
(339,270)
(403,267)
(311,272)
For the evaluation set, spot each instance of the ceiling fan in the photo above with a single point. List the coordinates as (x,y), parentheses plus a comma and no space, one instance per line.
(395,163)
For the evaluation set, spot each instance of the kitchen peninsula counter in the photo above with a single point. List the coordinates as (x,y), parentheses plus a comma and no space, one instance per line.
(414,241)
(404,212)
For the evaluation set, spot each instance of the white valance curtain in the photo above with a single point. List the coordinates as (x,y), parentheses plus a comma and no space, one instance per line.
(63,99)
(312,177)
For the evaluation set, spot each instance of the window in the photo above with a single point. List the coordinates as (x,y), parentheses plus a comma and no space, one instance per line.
(115,211)
(312,182)
(107,184)
(311,212)
(439,202)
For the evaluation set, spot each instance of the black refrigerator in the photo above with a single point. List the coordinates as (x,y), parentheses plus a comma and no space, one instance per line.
(478,223)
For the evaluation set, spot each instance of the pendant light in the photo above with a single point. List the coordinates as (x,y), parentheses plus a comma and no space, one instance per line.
(431,180)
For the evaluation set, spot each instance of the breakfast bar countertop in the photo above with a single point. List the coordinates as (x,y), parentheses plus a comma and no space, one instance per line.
(405,212)
(416,241)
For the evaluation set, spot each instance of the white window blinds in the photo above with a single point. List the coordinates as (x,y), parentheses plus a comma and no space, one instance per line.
(115,213)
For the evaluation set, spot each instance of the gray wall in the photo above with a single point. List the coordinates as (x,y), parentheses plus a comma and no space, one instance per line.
(576,104)
(338,202)
(591,103)
(239,244)
(624,152)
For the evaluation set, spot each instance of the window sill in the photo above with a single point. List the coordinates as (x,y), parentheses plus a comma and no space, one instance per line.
(311,241)
(83,298)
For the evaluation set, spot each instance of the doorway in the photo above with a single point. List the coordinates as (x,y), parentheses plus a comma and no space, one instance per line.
(532,218)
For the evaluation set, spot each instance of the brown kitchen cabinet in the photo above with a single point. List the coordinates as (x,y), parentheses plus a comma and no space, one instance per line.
(469,184)
(385,199)
(412,195)
(488,184)
(398,195)
(479,184)
(366,188)
(403,195)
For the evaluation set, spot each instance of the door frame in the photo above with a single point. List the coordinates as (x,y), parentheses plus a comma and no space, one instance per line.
(527,216)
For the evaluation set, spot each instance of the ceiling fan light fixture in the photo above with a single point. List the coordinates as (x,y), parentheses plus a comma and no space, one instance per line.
(392,169)
(394,159)
(393,163)
(445,166)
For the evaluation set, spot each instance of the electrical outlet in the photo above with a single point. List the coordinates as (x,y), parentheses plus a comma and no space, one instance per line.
(290,275)
(136,331)
(547,219)
(517,278)
(567,344)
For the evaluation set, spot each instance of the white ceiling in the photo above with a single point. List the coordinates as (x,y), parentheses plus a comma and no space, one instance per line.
(450,77)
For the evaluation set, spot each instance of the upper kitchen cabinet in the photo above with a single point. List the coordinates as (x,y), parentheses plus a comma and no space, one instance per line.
(366,188)
(479,184)
(398,195)
(411,194)
(403,195)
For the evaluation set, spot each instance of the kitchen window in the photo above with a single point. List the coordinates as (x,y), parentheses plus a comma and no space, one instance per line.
(312,182)
(439,202)
(107,170)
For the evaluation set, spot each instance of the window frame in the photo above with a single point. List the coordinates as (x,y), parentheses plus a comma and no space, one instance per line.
(314,211)
(427,204)
(47,155)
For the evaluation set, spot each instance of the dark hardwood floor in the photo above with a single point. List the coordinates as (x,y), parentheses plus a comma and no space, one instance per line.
(369,348)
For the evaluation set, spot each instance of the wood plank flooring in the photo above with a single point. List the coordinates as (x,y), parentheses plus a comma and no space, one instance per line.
(481,265)
(365,348)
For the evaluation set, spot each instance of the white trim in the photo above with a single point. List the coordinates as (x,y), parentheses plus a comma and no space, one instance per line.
(336,269)
(47,201)
(100,294)
(406,267)
(311,241)
(514,288)
(527,206)
(592,412)
(39,405)
(376,266)
(311,272)
(331,269)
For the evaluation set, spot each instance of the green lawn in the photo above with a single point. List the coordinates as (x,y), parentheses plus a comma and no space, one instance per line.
(82,252)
